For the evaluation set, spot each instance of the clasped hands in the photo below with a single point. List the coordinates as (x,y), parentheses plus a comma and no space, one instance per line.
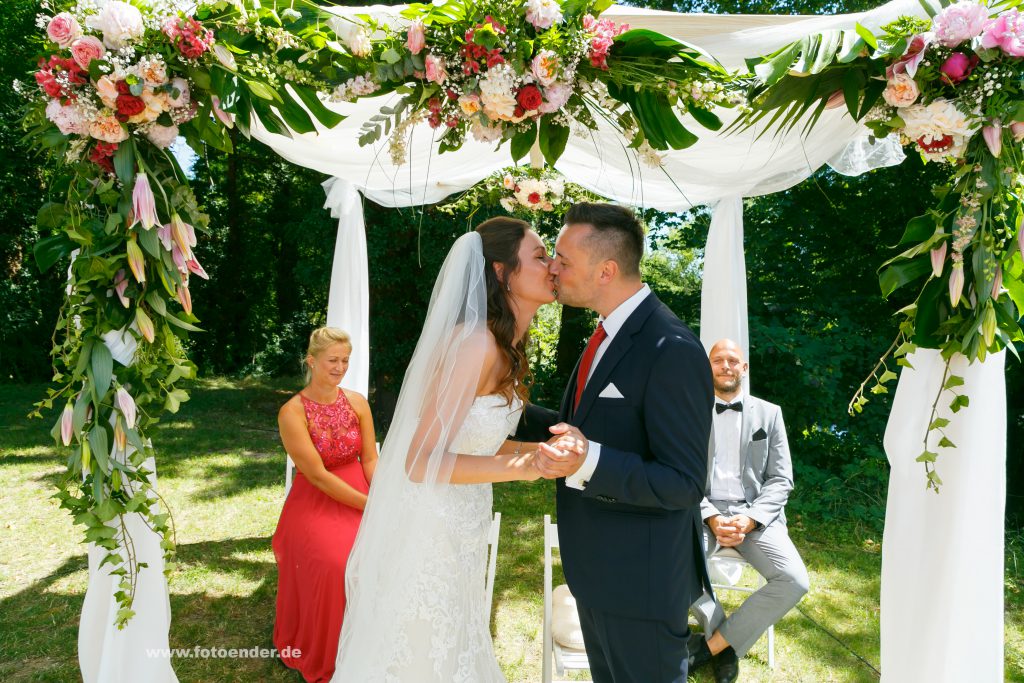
(731,531)
(563,453)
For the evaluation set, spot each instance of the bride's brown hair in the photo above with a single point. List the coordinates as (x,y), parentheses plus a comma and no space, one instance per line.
(501,237)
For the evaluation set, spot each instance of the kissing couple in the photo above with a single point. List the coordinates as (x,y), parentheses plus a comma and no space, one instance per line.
(627,448)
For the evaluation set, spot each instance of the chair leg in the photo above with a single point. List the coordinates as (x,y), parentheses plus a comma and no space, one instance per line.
(771,647)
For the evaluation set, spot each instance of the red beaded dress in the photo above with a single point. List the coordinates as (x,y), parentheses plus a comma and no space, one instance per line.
(312,543)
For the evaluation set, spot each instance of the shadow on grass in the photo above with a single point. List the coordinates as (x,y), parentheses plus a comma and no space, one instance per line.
(39,625)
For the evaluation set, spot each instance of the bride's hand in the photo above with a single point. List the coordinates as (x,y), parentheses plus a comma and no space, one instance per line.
(528,467)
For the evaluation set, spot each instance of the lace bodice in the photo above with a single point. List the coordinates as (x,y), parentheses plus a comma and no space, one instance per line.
(489,422)
(334,430)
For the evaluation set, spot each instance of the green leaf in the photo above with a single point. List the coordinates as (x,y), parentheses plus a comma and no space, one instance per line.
(927,456)
(294,115)
(553,138)
(704,117)
(150,241)
(867,35)
(124,162)
(523,141)
(100,447)
(770,71)
(946,443)
(102,368)
(262,90)
(181,323)
(953,381)
(49,250)
(391,56)
(324,115)
(900,274)
(154,299)
(51,216)
(887,376)
(938,423)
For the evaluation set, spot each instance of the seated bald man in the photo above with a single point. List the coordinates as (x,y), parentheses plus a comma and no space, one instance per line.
(750,475)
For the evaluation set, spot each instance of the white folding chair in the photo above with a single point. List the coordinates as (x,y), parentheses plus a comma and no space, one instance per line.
(562,657)
(728,555)
(492,560)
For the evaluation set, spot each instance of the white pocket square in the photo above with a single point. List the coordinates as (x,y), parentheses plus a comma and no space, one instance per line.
(610,391)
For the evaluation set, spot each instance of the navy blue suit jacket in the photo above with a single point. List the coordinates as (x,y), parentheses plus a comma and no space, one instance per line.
(631,539)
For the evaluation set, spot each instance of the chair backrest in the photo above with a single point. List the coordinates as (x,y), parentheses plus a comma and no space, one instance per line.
(492,560)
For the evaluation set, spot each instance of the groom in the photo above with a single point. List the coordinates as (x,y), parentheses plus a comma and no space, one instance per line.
(630,456)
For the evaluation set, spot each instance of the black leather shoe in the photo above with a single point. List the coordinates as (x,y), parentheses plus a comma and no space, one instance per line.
(698,653)
(727,666)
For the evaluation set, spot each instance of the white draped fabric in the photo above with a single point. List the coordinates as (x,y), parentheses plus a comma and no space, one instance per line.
(723,303)
(942,566)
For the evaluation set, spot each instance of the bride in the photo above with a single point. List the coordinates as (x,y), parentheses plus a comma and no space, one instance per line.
(415,581)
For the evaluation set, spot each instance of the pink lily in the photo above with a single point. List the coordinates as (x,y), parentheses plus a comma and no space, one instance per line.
(193,266)
(938,255)
(67,424)
(164,233)
(993,135)
(956,283)
(179,232)
(126,404)
(136,261)
(143,202)
(179,259)
(121,284)
(145,324)
(223,116)
(997,283)
(185,298)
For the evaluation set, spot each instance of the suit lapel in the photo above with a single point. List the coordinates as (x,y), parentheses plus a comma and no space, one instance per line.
(746,432)
(615,352)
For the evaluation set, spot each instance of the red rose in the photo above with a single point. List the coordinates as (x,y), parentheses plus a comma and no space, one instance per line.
(123,88)
(534,198)
(529,97)
(130,105)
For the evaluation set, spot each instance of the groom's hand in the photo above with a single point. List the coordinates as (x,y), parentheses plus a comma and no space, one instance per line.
(563,454)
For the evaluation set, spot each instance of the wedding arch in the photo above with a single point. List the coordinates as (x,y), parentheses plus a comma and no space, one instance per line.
(408,105)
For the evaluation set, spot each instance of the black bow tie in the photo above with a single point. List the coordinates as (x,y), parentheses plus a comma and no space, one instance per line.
(722,407)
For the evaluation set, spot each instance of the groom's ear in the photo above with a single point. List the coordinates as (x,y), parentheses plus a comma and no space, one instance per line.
(609,270)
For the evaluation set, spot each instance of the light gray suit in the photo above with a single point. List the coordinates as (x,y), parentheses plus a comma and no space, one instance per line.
(767,479)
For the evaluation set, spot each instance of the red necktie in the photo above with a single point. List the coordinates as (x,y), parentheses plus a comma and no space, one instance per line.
(588,360)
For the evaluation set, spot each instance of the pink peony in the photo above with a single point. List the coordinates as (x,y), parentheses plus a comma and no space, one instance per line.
(182,98)
(901,91)
(957,67)
(545,67)
(162,136)
(555,97)
(107,129)
(63,29)
(435,69)
(86,49)
(958,23)
(119,22)
(1005,32)
(543,14)
(66,117)
(416,38)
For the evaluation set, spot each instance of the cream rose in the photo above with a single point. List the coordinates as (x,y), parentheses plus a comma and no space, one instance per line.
(901,91)
(107,129)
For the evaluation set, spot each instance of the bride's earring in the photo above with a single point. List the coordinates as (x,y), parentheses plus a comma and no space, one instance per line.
(508,287)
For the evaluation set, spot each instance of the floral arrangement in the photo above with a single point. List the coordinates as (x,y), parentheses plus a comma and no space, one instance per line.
(118,83)
(524,72)
(950,88)
(522,191)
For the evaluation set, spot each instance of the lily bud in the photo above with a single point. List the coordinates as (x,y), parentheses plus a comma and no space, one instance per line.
(956,283)
(136,261)
(997,282)
(835,100)
(86,456)
(121,284)
(67,424)
(120,437)
(185,297)
(143,202)
(179,233)
(126,404)
(938,255)
(993,135)
(988,325)
(1017,128)
(145,324)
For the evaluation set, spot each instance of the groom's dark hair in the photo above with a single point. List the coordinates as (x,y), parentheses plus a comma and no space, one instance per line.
(618,234)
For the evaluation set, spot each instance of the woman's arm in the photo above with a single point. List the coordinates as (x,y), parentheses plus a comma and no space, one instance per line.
(291,422)
(368,458)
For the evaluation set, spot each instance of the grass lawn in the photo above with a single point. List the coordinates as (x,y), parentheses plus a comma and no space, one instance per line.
(222,471)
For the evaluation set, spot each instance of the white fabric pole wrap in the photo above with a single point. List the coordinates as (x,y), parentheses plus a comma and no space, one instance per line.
(348,302)
(139,652)
(723,293)
(942,570)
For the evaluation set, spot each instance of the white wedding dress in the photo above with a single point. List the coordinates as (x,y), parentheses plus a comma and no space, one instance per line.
(437,629)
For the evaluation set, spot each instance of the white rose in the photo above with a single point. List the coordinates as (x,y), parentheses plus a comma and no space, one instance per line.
(119,22)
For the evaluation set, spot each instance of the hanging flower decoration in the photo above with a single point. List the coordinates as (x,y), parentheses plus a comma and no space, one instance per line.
(950,88)
(526,72)
(521,191)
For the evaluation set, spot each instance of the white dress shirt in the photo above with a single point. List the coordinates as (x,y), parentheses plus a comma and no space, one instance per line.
(612,324)
(726,481)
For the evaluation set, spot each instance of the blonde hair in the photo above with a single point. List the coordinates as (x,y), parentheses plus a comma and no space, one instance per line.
(320,339)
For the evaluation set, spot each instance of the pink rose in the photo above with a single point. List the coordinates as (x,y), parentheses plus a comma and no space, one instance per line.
(86,49)
(435,69)
(555,97)
(1005,32)
(958,23)
(957,67)
(416,38)
(63,29)
(901,91)
(545,67)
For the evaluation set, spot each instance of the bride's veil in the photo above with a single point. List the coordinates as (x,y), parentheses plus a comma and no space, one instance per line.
(403,523)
